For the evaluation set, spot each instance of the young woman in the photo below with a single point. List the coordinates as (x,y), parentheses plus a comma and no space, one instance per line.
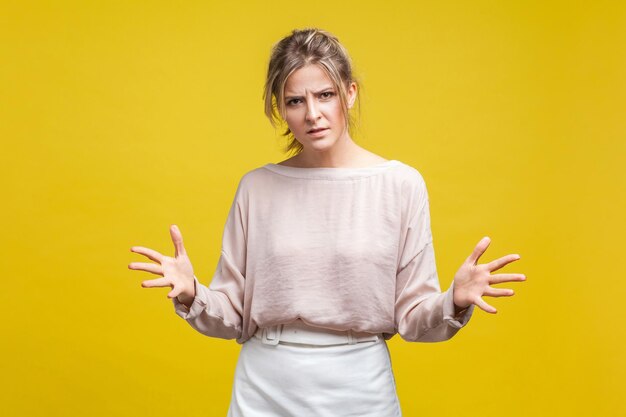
(325,256)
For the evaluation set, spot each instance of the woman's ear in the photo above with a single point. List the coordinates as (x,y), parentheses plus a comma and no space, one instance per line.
(352,92)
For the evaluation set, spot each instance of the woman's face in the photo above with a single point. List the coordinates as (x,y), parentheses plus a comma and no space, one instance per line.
(312,103)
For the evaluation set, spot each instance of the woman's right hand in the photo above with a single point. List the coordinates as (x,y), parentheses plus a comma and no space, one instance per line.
(176,272)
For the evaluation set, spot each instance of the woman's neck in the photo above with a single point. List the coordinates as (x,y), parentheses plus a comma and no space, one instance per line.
(351,156)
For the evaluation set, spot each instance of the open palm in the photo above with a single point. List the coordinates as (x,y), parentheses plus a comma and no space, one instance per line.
(472,281)
(176,272)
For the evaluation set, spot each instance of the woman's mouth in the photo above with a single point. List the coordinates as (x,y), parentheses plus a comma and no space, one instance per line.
(317,132)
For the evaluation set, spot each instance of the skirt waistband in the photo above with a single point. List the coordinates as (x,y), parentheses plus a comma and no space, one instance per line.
(299,332)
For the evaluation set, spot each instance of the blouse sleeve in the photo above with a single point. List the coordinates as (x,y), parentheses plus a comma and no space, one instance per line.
(422,312)
(217,310)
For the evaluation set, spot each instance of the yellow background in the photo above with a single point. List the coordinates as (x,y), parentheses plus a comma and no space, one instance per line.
(119,118)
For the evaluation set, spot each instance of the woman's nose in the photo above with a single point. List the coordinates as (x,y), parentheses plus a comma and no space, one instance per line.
(312,112)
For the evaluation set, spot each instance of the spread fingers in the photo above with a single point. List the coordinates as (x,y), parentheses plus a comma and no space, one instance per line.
(150,253)
(159,282)
(499,292)
(148,267)
(498,278)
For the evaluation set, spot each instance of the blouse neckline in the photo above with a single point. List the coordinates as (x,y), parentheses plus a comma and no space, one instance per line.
(331,172)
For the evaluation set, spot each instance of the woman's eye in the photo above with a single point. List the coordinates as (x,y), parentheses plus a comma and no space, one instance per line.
(327,94)
(292,102)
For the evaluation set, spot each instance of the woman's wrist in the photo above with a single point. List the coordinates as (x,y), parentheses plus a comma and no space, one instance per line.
(187,298)
(459,310)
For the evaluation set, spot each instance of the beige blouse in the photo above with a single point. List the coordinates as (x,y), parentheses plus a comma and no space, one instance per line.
(339,248)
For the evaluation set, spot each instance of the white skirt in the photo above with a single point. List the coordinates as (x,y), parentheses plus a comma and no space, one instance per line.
(307,379)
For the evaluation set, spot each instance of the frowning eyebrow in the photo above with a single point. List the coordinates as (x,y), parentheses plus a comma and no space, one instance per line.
(315,92)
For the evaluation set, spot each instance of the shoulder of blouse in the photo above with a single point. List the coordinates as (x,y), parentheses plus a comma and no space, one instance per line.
(409,177)
(391,167)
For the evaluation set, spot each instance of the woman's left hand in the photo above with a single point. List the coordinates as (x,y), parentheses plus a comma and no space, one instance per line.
(473,280)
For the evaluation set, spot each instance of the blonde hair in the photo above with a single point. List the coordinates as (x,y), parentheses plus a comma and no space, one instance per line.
(303,47)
